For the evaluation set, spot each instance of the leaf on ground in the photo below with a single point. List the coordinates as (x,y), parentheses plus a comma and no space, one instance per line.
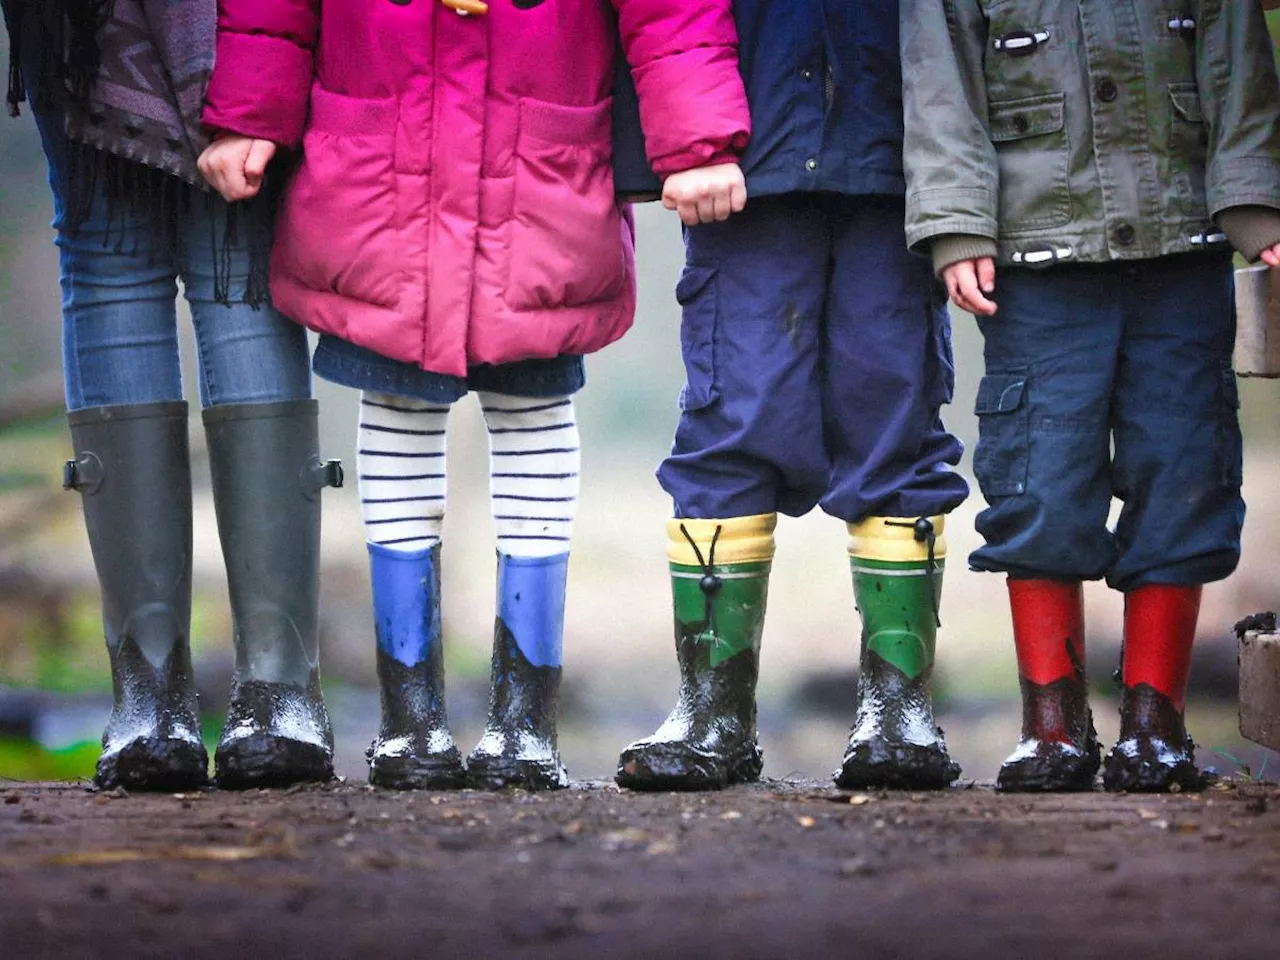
(216,853)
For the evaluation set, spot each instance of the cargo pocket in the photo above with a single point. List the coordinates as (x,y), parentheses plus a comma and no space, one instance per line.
(1030,138)
(1230,443)
(1001,460)
(566,226)
(336,231)
(696,293)
(1188,149)
(940,366)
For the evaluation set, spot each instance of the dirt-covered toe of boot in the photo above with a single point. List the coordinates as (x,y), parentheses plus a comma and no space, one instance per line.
(165,764)
(1049,766)
(1151,765)
(400,763)
(878,763)
(276,734)
(523,762)
(680,765)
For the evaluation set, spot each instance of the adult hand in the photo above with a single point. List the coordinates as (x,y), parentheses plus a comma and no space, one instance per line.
(235,165)
(969,282)
(705,194)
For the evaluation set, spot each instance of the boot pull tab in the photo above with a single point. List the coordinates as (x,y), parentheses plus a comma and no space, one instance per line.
(83,474)
(710,583)
(318,474)
(923,532)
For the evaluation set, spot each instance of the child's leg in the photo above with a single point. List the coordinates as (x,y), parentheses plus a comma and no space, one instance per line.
(401,465)
(1177,468)
(1043,462)
(886,373)
(749,444)
(534,461)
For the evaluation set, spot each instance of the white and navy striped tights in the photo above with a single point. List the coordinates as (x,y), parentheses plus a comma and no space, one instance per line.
(533,469)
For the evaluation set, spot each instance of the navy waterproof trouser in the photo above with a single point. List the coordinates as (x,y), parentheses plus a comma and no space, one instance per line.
(818,354)
(1082,357)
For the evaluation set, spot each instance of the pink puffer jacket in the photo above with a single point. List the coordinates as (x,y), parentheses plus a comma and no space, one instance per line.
(454,204)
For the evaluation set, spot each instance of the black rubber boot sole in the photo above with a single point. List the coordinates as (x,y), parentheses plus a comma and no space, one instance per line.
(500,773)
(1125,774)
(261,760)
(678,767)
(906,766)
(1049,774)
(155,764)
(441,771)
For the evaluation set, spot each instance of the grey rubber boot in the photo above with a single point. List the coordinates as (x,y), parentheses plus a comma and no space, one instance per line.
(267,478)
(132,469)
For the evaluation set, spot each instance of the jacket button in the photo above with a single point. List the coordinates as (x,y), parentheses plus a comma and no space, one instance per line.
(811,164)
(1125,234)
(1020,123)
(806,73)
(1107,90)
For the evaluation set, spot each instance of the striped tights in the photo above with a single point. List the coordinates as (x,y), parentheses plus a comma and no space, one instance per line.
(533,468)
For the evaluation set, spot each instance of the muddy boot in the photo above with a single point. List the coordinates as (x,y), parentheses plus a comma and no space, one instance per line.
(1154,753)
(897,584)
(519,747)
(1059,746)
(414,750)
(267,478)
(132,469)
(719,584)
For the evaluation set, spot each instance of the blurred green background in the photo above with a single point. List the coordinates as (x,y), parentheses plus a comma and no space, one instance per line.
(620,676)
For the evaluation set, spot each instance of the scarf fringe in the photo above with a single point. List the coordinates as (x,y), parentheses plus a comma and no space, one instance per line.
(135,192)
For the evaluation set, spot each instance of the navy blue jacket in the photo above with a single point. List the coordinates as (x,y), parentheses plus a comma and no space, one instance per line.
(824,80)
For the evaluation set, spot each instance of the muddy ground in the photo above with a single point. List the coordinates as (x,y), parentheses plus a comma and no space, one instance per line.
(773,870)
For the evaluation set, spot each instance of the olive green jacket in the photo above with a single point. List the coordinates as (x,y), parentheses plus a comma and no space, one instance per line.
(1087,130)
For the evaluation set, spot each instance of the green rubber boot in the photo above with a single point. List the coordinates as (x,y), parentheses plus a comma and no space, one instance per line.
(897,584)
(719,584)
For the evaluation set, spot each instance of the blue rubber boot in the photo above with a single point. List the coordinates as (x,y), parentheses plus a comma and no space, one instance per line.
(519,747)
(414,749)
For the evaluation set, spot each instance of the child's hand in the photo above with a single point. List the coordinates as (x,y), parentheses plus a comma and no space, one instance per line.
(1271,256)
(967,281)
(705,194)
(234,165)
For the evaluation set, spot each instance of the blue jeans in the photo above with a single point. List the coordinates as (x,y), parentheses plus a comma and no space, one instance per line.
(1084,357)
(119,285)
(818,355)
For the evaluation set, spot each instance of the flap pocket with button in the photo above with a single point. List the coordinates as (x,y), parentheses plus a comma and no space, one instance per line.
(1000,463)
(1031,117)
(1030,138)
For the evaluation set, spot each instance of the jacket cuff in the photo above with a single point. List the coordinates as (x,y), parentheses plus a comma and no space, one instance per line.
(950,248)
(1251,229)
(261,88)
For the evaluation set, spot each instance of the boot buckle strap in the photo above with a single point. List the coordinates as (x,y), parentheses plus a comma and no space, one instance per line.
(318,474)
(83,474)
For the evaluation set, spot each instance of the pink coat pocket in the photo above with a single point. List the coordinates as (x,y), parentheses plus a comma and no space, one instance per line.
(565,224)
(336,231)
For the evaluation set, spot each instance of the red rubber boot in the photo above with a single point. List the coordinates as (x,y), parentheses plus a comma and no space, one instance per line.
(1059,747)
(1154,753)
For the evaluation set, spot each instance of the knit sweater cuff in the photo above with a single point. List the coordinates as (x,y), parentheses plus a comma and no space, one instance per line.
(949,248)
(1251,229)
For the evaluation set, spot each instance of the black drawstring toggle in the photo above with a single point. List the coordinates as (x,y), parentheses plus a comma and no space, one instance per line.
(923,532)
(710,584)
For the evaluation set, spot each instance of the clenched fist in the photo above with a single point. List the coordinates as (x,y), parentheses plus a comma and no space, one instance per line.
(235,165)
(705,194)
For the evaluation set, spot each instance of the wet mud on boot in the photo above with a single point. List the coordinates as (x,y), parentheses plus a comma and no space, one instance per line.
(276,734)
(520,747)
(719,582)
(267,479)
(414,749)
(1059,747)
(132,469)
(1154,753)
(895,742)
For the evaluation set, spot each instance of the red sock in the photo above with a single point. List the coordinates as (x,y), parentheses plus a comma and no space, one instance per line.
(1159,629)
(1048,628)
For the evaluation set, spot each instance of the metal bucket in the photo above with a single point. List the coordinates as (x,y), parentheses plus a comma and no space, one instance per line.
(1257,352)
